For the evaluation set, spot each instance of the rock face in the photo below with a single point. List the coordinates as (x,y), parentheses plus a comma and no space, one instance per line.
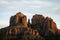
(40,28)
(47,22)
(50,25)
(21,33)
(44,24)
(37,19)
(19,18)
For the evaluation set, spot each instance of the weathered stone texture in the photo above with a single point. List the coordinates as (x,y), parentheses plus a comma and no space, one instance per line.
(19,18)
(45,25)
(40,28)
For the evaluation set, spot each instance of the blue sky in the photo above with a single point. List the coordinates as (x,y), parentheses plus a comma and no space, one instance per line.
(49,8)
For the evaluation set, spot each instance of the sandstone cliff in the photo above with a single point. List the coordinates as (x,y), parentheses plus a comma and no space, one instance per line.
(40,28)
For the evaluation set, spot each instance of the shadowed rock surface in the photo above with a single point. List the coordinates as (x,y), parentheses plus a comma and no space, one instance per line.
(40,28)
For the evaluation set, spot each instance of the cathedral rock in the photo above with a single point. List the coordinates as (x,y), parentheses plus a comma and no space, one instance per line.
(40,28)
(18,19)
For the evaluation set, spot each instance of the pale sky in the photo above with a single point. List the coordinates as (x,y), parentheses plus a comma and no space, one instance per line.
(49,8)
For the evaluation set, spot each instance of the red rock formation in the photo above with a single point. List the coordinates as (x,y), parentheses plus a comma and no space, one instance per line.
(41,28)
(38,19)
(12,21)
(45,24)
(21,33)
(19,18)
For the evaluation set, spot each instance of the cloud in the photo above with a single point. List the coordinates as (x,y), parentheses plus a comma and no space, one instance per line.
(29,7)
(28,4)
(14,4)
